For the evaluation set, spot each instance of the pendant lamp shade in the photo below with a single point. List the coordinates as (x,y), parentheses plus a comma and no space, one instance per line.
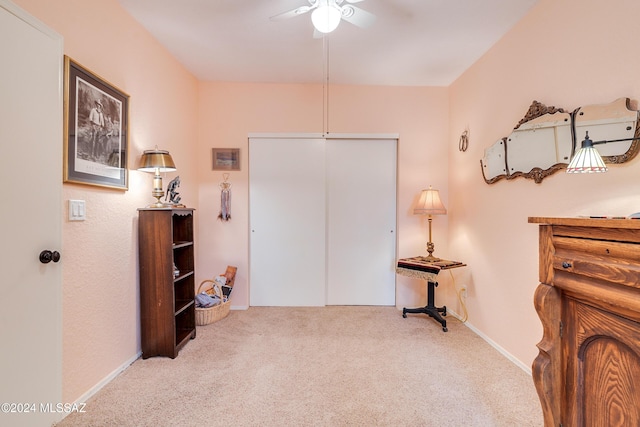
(587,159)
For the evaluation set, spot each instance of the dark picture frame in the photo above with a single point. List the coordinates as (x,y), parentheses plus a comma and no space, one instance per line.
(96,129)
(226,159)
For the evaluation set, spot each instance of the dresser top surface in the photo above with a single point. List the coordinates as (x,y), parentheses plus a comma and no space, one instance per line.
(588,222)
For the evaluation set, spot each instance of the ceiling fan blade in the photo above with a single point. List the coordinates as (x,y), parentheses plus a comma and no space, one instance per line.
(358,17)
(291,14)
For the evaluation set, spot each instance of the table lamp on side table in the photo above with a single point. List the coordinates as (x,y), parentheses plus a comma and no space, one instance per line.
(430,204)
(157,161)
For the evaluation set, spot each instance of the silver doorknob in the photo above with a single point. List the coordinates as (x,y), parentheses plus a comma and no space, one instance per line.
(47,256)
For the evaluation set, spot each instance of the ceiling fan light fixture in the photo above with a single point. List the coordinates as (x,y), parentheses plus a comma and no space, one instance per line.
(326,17)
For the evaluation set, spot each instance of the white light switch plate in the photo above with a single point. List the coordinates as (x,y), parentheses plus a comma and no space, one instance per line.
(77,210)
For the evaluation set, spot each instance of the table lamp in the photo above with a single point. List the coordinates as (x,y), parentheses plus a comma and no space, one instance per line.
(430,204)
(156,161)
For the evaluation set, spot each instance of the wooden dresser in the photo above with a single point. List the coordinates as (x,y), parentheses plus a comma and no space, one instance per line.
(587,372)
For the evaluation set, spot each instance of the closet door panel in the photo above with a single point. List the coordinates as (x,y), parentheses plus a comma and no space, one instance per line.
(287,222)
(361,222)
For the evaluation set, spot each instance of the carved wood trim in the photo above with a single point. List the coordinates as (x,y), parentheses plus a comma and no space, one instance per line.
(538,174)
(538,109)
(547,366)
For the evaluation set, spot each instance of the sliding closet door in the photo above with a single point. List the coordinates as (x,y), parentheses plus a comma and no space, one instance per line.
(361,222)
(287,222)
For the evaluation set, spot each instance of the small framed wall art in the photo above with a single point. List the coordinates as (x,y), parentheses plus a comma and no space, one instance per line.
(226,159)
(96,124)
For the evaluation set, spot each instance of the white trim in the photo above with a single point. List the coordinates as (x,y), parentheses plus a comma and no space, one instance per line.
(106,380)
(493,344)
(327,135)
(362,136)
(22,14)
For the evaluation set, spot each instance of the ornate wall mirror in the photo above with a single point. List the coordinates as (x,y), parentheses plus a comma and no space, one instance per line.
(546,138)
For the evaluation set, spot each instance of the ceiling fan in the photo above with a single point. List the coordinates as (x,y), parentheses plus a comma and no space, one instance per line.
(327,14)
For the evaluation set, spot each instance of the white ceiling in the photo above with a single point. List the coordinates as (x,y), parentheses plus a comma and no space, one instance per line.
(412,42)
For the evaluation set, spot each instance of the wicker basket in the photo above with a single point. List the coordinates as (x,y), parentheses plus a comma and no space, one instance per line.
(205,316)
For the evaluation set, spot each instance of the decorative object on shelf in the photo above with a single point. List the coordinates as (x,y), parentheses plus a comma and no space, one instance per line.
(173,197)
(430,204)
(226,159)
(544,141)
(96,129)
(157,161)
(327,14)
(225,198)
(587,159)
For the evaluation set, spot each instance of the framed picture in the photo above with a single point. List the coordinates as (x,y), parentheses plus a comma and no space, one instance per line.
(226,159)
(96,125)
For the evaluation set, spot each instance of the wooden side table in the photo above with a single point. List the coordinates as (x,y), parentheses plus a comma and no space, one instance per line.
(426,269)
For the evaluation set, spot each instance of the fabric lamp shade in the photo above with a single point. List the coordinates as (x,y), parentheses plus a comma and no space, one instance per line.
(430,203)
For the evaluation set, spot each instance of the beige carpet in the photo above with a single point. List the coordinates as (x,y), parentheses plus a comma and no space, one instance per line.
(325,366)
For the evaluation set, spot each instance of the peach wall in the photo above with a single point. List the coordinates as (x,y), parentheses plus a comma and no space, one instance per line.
(566,54)
(231,111)
(100,280)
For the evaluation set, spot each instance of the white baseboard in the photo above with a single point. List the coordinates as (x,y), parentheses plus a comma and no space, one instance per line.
(106,380)
(492,343)
(239,307)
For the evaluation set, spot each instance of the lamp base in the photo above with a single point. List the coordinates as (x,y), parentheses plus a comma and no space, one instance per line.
(158,203)
(430,249)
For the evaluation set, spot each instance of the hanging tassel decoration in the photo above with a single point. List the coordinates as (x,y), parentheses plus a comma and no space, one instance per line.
(225,199)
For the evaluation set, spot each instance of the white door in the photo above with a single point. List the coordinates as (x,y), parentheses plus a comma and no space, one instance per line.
(322,219)
(31,177)
(287,222)
(361,222)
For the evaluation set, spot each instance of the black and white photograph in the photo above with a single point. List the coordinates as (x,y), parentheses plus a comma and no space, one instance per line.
(96,119)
